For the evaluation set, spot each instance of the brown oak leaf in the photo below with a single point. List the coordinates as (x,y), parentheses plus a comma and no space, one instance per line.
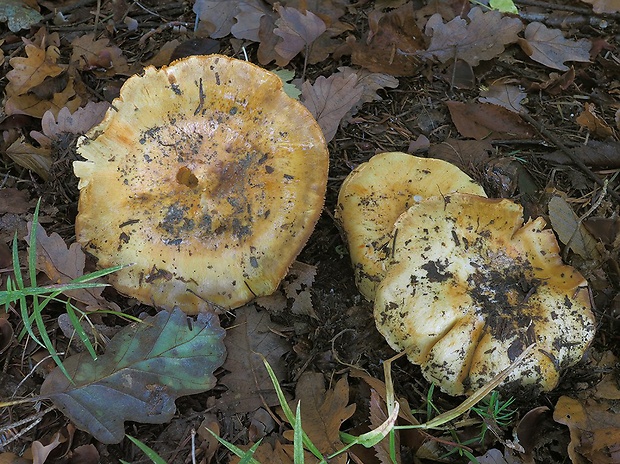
(322,412)
(61,264)
(394,39)
(604,6)
(550,48)
(90,54)
(298,30)
(506,95)
(330,99)
(248,18)
(479,37)
(31,71)
(253,336)
(217,17)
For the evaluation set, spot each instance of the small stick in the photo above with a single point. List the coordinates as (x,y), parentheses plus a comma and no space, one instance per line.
(568,152)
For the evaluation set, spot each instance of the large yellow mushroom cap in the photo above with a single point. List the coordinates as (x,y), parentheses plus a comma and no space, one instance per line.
(470,287)
(376,193)
(207,177)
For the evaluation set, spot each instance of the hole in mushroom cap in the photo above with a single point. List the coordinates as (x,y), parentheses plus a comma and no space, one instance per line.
(186,177)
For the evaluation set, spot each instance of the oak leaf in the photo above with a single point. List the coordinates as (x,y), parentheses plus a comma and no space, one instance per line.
(604,6)
(90,54)
(322,412)
(33,105)
(393,40)
(146,366)
(593,122)
(62,264)
(506,95)
(550,48)
(18,15)
(249,14)
(330,99)
(216,15)
(594,429)
(31,71)
(479,37)
(37,159)
(298,30)
(252,337)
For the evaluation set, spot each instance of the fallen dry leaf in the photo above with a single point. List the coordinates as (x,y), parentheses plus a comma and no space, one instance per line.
(33,105)
(556,83)
(550,48)
(595,154)
(591,121)
(594,429)
(486,121)
(268,40)
(61,264)
(18,15)
(97,55)
(217,16)
(468,155)
(40,452)
(391,46)
(276,454)
(13,200)
(506,95)
(31,71)
(604,6)
(297,30)
(571,231)
(294,292)
(36,159)
(322,412)
(330,99)
(249,386)
(482,36)
(378,415)
(249,14)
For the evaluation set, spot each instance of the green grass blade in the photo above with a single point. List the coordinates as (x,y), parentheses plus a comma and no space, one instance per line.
(79,330)
(298,437)
(19,278)
(288,413)
(100,273)
(247,455)
(32,246)
(150,453)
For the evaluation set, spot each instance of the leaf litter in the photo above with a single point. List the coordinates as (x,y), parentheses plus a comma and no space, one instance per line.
(55,83)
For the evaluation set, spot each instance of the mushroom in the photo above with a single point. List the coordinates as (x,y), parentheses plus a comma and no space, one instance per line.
(206,177)
(374,195)
(470,287)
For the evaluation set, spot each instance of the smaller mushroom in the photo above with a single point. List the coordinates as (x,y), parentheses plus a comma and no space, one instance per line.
(469,288)
(376,193)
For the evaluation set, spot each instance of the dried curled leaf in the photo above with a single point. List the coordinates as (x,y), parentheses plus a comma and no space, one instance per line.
(145,368)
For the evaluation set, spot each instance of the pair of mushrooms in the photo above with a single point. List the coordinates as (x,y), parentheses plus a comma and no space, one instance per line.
(208,179)
(457,279)
(205,177)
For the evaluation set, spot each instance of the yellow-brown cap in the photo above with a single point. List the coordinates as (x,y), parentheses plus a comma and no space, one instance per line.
(207,177)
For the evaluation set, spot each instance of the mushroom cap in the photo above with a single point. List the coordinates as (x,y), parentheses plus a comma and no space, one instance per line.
(376,193)
(207,177)
(470,287)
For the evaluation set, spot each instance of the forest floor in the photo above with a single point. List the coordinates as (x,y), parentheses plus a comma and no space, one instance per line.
(527,104)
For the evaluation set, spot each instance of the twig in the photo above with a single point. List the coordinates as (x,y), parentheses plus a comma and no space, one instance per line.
(568,152)
(573,9)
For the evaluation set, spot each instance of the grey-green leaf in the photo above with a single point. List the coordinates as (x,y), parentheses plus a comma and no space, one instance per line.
(18,15)
(145,368)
